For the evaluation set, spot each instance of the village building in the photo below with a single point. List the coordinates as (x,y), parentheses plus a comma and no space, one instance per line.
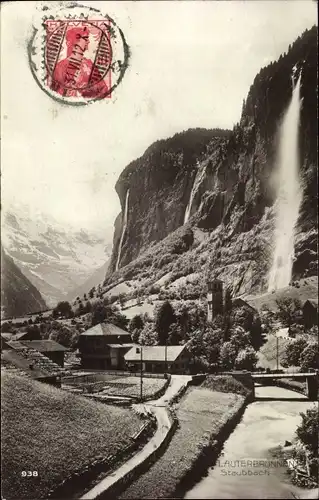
(28,362)
(239,302)
(310,313)
(158,359)
(4,342)
(49,348)
(30,335)
(103,347)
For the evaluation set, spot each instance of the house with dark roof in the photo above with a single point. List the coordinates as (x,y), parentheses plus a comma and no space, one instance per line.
(30,363)
(103,347)
(4,342)
(158,358)
(310,312)
(49,348)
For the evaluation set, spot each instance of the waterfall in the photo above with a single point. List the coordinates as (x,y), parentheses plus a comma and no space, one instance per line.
(289,194)
(198,179)
(123,231)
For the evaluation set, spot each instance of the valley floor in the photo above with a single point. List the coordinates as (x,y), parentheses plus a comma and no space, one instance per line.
(202,414)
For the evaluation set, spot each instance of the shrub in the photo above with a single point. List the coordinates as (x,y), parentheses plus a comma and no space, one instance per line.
(309,357)
(293,351)
(246,359)
(308,430)
(288,310)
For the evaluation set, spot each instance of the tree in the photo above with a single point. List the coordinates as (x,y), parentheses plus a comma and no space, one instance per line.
(148,335)
(136,323)
(249,320)
(246,359)
(293,351)
(239,338)
(175,335)
(135,334)
(100,313)
(212,342)
(63,309)
(228,354)
(164,318)
(309,357)
(308,430)
(122,298)
(87,308)
(80,309)
(63,335)
(288,310)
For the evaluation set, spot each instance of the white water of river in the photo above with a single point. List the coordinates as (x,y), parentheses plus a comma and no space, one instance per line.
(264,425)
(289,195)
(124,225)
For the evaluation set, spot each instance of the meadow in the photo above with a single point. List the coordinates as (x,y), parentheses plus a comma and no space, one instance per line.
(54,433)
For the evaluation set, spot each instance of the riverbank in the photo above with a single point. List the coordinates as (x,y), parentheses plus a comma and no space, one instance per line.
(205,419)
(246,467)
(114,483)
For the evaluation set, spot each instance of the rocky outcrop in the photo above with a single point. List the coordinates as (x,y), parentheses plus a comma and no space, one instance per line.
(234,178)
(18,295)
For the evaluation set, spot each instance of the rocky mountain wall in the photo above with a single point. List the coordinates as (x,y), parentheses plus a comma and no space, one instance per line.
(18,295)
(234,177)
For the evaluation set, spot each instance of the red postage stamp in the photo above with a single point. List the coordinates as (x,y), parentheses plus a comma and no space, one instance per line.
(77,55)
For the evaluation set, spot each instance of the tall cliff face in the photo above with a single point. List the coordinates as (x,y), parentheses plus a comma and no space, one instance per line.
(160,183)
(18,295)
(234,178)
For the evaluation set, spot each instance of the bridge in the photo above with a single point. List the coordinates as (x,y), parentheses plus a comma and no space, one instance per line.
(311,381)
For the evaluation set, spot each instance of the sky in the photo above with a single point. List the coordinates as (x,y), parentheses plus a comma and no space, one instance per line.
(191,65)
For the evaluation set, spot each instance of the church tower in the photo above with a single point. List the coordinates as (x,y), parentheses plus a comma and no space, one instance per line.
(214,299)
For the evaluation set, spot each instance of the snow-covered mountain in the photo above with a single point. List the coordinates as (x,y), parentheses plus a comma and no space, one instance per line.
(56,258)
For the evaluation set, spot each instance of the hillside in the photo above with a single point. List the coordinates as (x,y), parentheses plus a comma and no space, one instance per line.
(93,281)
(34,438)
(56,258)
(18,295)
(202,202)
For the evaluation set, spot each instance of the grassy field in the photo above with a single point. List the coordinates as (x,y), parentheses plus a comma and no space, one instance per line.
(201,414)
(225,383)
(119,386)
(304,289)
(130,386)
(54,433)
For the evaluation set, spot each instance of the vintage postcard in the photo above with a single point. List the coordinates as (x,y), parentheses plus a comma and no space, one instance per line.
(159,278)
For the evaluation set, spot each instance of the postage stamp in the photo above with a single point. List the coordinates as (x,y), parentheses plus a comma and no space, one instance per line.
(77,55)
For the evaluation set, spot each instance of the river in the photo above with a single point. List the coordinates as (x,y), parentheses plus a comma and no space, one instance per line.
(264,425)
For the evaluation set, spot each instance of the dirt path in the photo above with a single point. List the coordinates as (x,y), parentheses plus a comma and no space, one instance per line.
(159,409)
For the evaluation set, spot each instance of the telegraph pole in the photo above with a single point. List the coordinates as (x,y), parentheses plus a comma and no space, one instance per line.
(141,386)
(166,357)
(277,352)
